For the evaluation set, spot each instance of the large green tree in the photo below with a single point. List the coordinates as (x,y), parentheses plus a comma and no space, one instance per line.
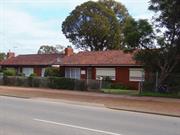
(118,8)
(165,57)
(47,49)
(138,35)
(2,56)
(93,26)
(124,20)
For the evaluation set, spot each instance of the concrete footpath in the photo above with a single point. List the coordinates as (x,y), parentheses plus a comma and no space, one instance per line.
(154,105)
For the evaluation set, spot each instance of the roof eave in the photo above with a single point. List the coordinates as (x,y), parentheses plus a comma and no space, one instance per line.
(101,65)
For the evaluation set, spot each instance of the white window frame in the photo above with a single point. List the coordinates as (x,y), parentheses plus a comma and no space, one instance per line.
(106,72)
(136,74)
(29,69)
(43,72)
(74,73)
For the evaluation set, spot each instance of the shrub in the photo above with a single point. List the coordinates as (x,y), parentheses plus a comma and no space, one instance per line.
(51,72)
(80,85)
(21,74)
(35,82)
(173,83)
(149,86)
(1,70)
(107,78)
(118,86)
(33,75)
(21,81)
(1,74)
(61,83)
(8,81)
(46,82)
(9,72)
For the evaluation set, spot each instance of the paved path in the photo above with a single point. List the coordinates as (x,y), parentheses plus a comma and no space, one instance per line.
(43,117)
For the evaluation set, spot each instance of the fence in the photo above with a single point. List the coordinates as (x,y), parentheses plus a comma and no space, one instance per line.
(1,78)
(53,82)
(171,84)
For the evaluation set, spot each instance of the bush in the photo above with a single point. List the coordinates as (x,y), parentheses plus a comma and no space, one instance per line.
(173,83)
(118,86)
(61,83)
(33,75)
(9,72)
(80,85)
(45,82)
(149,86)
(1,74)
(52,72)
(20,74)
(107,78)
(21,81)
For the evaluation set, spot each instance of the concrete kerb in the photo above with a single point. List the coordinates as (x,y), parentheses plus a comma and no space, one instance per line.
(15,96)
(139,111)
(93,104)
(104,106)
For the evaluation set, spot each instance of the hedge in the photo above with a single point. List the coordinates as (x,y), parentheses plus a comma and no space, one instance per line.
(45,82)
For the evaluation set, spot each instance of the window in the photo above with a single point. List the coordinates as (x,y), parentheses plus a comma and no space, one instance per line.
(136,74)
(43,72)
(105,72)
(27,71)
(68,73)
(72,73)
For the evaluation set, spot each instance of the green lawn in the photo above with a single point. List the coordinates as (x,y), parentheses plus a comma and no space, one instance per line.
(120,91)
(157,94)
(136,93)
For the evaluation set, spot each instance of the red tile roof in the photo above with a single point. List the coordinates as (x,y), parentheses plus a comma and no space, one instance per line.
(100,58)
(33,59)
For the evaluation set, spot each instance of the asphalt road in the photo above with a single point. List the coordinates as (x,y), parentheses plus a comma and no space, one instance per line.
(42,117)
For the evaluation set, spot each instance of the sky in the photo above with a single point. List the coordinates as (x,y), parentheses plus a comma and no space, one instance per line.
(25,25)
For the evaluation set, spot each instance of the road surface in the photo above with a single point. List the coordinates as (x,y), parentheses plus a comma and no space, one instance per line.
(42,117)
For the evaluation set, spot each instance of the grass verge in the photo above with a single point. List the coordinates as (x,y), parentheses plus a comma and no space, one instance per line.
(120,91)
(157,94)
(143,93)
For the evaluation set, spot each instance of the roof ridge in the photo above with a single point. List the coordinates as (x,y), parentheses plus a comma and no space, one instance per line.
(99,51)
(40,54)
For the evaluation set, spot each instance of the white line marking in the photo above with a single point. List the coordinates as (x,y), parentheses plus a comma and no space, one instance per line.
(77,127)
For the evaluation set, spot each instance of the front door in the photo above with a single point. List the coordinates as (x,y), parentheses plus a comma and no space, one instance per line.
(89,73)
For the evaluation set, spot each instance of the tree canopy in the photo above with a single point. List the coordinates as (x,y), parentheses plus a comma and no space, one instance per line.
(138,34)
(46,49)
(119,10)
(96,25)
(164,58)
(2,56)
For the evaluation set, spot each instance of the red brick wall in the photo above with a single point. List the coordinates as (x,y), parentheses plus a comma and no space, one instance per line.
(84,76)
(94,73)
(37,71)
(122,76)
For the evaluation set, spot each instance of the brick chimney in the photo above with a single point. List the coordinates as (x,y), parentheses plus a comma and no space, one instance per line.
(10,55)
(68,51)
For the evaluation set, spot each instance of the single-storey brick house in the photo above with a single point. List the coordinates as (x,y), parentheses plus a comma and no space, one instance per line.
(31,63)
(116,64)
